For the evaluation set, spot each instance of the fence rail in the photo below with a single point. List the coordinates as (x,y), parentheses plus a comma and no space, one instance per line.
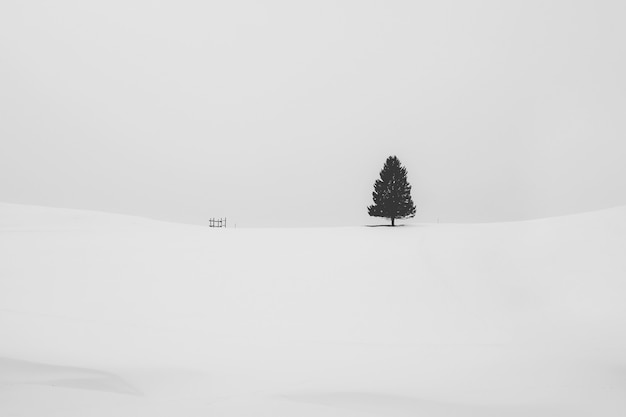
(217,222)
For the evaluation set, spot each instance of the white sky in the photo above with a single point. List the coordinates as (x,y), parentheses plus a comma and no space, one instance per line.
(281,113)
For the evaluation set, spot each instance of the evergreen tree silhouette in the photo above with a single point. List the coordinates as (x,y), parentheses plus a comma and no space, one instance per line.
(392,193)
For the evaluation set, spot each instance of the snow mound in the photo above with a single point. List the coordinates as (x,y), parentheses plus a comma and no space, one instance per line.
(520,318)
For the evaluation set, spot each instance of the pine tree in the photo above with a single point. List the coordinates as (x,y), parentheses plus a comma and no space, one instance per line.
(392,193)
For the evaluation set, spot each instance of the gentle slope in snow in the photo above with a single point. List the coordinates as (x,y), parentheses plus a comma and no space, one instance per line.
(113,315)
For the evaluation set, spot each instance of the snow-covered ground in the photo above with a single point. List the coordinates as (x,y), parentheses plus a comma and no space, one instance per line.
(110,315)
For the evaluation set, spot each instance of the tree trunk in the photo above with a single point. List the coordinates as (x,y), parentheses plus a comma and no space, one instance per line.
(393,221)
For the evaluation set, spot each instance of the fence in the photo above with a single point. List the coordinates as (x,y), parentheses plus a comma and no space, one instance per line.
(217,222)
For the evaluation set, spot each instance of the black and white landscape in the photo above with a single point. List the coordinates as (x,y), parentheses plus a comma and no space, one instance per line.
(129,128)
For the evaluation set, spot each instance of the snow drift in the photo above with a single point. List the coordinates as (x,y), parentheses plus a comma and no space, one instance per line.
(105,314)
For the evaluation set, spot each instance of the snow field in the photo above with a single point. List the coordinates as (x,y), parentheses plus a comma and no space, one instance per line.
(105,314)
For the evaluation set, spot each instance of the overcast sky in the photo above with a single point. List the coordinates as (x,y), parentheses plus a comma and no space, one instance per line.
(281,113)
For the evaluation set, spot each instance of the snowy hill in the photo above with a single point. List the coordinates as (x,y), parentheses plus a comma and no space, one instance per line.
(115,315)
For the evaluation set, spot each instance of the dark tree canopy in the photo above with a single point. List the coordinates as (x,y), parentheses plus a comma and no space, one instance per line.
(392,193)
